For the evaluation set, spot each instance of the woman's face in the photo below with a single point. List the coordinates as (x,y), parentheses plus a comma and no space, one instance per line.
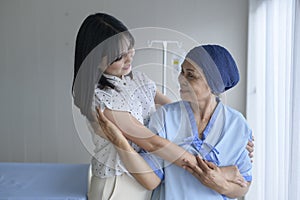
(122,65)
(193,84)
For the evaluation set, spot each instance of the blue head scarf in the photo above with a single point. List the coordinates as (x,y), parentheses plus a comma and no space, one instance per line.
(218,66)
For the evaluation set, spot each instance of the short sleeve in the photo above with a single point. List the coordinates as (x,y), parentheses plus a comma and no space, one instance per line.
(146,82)
(112,100)
(151,83)
(156,123)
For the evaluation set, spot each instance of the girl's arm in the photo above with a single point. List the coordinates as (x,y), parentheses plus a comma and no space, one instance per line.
(143,137)
(133,162)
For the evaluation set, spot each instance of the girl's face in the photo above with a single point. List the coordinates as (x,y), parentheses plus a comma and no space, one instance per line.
(122,64)
(193,84)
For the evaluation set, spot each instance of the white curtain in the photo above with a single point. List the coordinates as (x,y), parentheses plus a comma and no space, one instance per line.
(273,93)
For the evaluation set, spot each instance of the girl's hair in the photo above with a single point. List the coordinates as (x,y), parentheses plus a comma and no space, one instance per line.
(95,29)
(99,43)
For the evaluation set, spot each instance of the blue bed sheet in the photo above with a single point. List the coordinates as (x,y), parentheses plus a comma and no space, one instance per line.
(40,181)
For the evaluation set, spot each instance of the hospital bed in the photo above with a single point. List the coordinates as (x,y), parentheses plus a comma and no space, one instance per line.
(41,181)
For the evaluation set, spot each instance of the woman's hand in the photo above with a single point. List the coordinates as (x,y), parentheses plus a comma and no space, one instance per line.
(233,175)
(207,173)
(215,177)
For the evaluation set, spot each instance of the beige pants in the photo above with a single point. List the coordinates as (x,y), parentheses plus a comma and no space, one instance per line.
(117,188)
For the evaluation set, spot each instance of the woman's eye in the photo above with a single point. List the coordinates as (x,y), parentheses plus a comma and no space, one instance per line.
(190,75)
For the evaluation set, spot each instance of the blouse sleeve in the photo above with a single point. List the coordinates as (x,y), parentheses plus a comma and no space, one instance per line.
(112,100)
(146,82)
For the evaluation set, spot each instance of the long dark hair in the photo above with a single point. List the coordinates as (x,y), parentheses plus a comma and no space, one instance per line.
(96,30)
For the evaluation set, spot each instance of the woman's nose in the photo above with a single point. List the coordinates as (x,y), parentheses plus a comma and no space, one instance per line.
(181,79)
(130,53)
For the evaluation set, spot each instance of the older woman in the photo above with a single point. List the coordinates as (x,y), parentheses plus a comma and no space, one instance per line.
(201,124)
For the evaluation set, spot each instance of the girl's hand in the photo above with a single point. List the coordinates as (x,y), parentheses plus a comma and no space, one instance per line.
(110,130)
(250,148)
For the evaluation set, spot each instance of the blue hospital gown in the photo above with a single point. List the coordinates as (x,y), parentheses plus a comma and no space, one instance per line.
(176,123)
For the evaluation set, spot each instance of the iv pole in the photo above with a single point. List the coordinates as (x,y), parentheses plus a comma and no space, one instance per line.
(165,44)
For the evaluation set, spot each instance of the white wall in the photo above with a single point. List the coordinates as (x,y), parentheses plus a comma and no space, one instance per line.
(36,68)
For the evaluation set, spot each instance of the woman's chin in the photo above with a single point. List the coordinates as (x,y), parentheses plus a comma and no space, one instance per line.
(184,97)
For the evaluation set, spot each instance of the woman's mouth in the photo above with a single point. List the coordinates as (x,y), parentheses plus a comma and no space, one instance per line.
(183,91)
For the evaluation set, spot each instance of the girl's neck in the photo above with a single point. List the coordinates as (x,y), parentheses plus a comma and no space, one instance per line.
(110,75)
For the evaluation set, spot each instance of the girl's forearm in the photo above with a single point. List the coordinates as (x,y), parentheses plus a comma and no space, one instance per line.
(142,136)
(137,166)
(164,149)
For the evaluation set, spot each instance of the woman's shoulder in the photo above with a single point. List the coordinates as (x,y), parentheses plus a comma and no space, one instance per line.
(234,116)
(234,113)
(169,108)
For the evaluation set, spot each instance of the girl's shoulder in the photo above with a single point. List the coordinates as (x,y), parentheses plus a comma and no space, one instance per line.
(136,73)
(141,76)
(103,95)
(103,92)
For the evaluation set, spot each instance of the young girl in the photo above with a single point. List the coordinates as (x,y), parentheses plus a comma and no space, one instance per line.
(102,75)
(104,52)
